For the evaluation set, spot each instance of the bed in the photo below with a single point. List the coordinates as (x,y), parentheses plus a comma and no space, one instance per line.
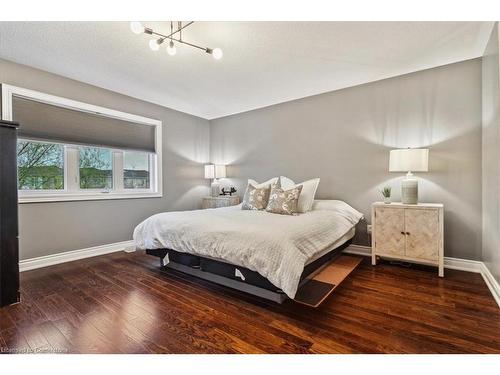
(258,252)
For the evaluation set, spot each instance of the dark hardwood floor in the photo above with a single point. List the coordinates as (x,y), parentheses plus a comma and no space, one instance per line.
(123,303)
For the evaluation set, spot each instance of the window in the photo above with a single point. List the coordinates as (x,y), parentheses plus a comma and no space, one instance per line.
(40,165)
(74,172)
(69,150)
(96,168)
(135,170)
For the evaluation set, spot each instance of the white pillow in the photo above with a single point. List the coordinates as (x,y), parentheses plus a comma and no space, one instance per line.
(263,184)
(286,183)
(306,197)
(328,204)
(341,207)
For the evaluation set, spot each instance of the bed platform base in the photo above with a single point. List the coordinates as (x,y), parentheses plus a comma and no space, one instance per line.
(318,281)
(278,297)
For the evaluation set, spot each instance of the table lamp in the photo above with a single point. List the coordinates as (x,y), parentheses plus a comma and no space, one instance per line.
(214,172)
(409,160)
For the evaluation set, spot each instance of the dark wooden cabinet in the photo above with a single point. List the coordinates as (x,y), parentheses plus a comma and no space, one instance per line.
(9,247)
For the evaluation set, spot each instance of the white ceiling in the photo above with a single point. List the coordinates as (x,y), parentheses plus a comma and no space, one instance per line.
(264,63)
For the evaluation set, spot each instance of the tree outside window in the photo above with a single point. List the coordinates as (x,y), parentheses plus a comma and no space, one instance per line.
(40,165)
(96,168)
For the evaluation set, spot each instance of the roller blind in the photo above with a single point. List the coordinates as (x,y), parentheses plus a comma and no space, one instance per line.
(48,122)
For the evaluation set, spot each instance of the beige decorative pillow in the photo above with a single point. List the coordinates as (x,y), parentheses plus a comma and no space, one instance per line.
(285,182)
(255,198)
(283,202)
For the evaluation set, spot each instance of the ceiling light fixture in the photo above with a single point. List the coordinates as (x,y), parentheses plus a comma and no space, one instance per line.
(171,50)
(217,53)
(154,44)
(174,36)
(136,27)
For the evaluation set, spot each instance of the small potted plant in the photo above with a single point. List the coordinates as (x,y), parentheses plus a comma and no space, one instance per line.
(386,192)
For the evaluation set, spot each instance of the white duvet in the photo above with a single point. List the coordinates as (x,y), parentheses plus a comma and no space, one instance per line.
(276,246)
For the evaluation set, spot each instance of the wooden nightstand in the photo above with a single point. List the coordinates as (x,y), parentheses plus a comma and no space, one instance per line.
(220,201)
(408,232)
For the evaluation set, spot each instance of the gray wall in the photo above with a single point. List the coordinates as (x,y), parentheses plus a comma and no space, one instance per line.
(49,228)
(491,155)
(344,137)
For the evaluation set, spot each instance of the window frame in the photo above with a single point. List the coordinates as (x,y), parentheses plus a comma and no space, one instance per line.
(72,191)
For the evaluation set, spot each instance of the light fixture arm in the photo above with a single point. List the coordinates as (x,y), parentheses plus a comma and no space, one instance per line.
(207,50)
(162,37)
(150,31)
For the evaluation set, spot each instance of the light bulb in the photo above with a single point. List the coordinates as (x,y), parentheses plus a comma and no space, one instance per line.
(171,49)
(154,45)
(136,27)
(217,53)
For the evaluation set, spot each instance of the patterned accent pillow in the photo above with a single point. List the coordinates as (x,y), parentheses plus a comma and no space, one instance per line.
(283,202)
(255,198)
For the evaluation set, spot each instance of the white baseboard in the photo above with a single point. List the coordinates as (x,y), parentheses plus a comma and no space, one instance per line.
(491,282)
(450,263)
(50,260)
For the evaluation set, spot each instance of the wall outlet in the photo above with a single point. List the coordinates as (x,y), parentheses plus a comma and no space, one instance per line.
(369,228)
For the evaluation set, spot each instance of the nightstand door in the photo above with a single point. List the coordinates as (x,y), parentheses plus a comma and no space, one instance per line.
(389,231)
(422,238)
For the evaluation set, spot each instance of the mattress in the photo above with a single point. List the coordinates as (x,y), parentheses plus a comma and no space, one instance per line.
(190,261)
(278,247)
(342,240)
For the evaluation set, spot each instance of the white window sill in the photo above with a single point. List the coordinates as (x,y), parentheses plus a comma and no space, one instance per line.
(40,198)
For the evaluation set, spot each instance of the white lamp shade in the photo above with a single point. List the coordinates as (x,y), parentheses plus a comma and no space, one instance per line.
(220,171)
(409,160)
(210,171)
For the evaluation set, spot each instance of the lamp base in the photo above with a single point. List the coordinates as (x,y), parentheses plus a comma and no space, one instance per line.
(215,188)
(409,191)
